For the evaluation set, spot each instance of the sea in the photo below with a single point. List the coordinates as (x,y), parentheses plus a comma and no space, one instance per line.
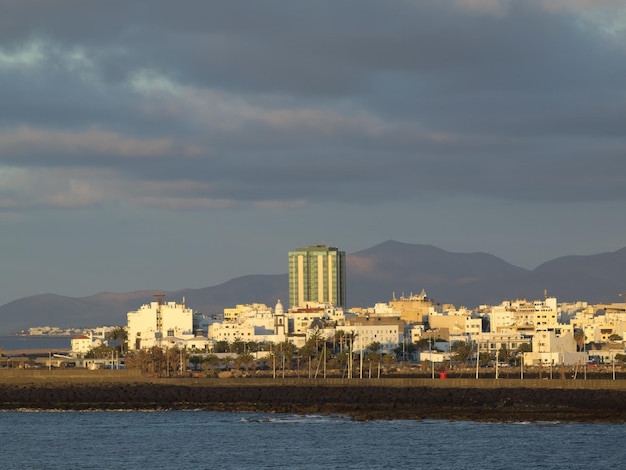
(199,439)
(225,440)
(26,342)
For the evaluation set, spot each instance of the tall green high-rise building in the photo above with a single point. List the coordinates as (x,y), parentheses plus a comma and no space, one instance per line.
(317,274)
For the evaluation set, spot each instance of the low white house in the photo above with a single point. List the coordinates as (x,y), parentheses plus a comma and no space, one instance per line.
(82,344)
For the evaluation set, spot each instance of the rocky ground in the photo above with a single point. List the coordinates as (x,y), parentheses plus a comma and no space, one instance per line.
(360,402)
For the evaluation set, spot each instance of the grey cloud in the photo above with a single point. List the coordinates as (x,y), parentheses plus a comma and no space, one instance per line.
(331,101)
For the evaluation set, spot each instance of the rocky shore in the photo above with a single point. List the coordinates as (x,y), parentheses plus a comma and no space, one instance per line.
(361,401)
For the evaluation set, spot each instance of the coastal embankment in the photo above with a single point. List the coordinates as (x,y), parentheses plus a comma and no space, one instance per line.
(386,398)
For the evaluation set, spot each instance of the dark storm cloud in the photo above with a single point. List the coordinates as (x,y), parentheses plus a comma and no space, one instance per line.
(352,101)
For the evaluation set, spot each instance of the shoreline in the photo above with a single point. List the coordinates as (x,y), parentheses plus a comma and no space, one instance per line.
(368,399)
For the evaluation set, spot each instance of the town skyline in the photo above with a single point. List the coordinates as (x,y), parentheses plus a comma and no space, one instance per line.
(149,145)
(385,271)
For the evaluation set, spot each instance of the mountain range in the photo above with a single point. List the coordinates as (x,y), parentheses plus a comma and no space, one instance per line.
(374,275)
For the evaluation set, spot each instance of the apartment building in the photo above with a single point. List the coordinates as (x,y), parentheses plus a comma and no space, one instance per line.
(317,273)
(152,323)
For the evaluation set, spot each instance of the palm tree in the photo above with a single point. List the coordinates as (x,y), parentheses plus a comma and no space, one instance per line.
(372,355)
(286,351)
(237,346)
(504,355)
(99,352)
(244,359)
(579,336)
(195,361)
(339,338)
(221,346)
(210,364)
(462,351)
(138,360)
(309,352)
(119,333)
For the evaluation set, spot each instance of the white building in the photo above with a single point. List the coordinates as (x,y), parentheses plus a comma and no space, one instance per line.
(551,348)
(82,344)
(458,322)
(251,322)
(511,340)
(524,315)
(387,331)
(148,326)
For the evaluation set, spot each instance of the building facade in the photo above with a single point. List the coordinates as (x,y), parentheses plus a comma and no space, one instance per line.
(414,308)
(317,274)
(388,332)
(155,324)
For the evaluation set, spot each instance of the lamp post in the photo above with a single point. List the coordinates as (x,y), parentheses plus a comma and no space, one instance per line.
(477,357)
(613,361)
(432,363)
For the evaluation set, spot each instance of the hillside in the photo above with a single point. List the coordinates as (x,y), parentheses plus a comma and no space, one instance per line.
(373,275)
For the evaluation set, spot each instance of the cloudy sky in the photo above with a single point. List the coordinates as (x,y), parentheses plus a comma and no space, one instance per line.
(162,145)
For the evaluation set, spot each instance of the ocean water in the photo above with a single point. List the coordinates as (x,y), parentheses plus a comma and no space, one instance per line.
(223,440)
(11,343)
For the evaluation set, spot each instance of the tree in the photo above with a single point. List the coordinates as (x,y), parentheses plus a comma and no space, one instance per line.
(237,346)
(518,354)
(310,353)
(119,334)
(140,359)
(372,355)
(309,350)
(100,352)
(339,340)
(195,361)
(340,362)
(244,360)
(372,352)
(221,347)
(284,353)
(389,360)
(405,350)
(485,358)
(424,344)
(210,364)
(505,355)
(579,336)
(428,342)
(175,360)
(462,351)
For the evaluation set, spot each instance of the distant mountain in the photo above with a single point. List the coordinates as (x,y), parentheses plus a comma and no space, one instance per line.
(373,275)
(376,274)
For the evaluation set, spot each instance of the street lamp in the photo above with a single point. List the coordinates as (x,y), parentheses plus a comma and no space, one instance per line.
(432,363)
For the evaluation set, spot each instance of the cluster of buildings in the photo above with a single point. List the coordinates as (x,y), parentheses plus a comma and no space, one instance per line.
(57,331)
(553,333)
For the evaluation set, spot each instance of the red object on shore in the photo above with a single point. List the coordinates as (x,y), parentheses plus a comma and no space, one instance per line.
(443,375)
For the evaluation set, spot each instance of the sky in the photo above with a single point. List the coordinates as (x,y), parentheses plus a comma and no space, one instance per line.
(166,145)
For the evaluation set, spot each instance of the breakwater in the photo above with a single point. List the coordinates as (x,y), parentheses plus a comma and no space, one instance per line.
(388,398)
